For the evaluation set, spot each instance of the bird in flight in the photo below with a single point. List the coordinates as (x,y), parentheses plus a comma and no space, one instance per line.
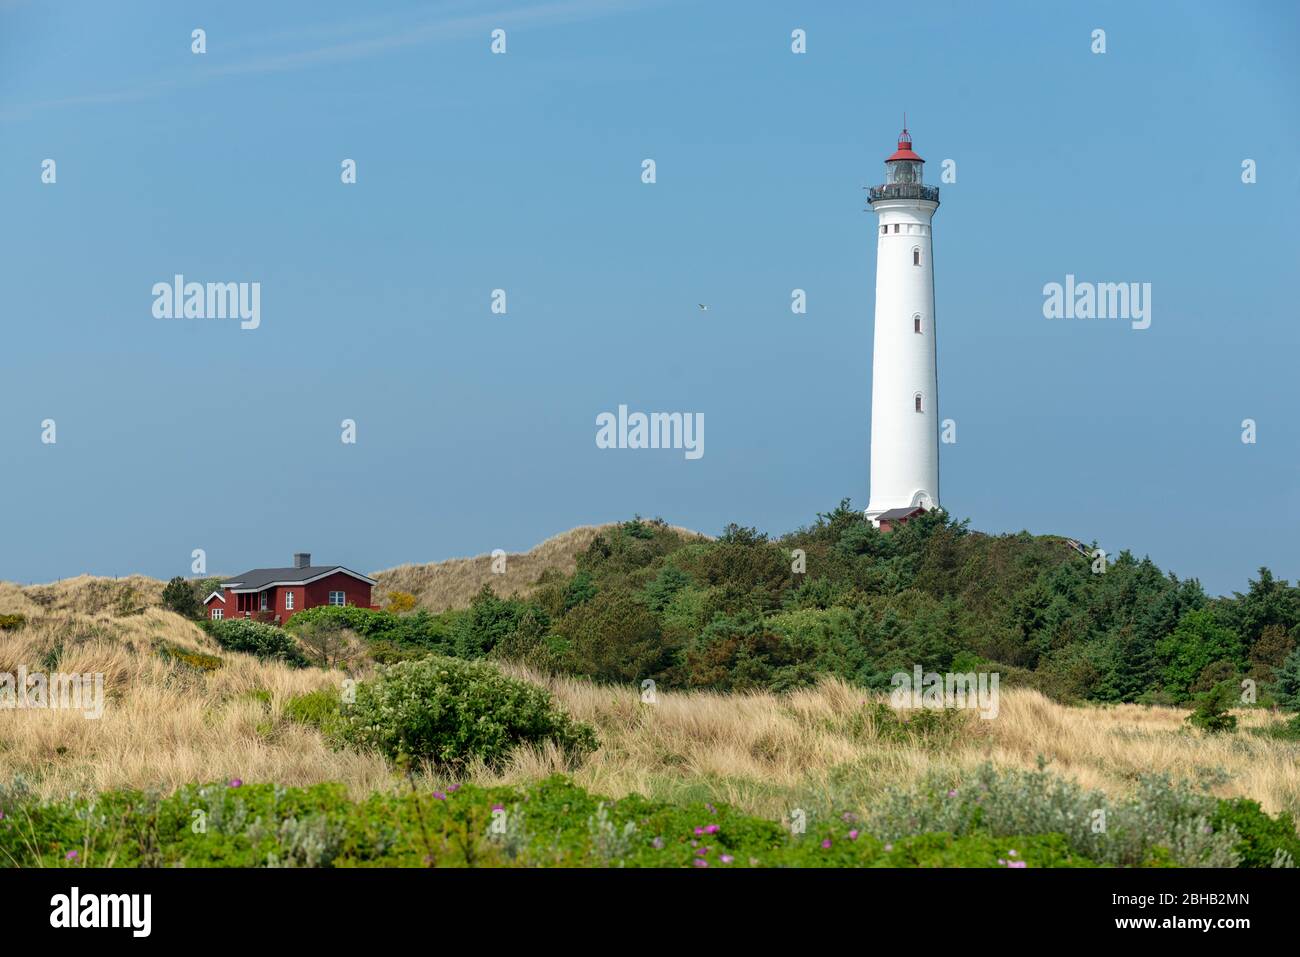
(703,307)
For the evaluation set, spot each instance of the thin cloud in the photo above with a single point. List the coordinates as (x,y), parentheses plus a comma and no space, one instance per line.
(416,34)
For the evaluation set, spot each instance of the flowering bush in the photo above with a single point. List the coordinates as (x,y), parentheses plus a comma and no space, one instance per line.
(548,823)
(1161,818)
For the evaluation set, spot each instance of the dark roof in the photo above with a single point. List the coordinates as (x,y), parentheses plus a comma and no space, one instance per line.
(259,578)
(893,513)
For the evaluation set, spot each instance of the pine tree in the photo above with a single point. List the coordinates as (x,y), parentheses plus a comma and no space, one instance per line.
(1286,682)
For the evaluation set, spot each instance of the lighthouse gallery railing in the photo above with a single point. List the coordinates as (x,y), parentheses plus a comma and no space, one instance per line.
(903,191)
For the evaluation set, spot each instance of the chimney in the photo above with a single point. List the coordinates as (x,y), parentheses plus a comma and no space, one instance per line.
(301,559)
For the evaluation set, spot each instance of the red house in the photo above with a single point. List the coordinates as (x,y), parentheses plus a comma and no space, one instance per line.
(276,594)
(889,520)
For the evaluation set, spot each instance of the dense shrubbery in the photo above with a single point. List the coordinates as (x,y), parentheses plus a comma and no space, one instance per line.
(447,711)
(730,614)
(553,822)
(1163,820)
(256,638)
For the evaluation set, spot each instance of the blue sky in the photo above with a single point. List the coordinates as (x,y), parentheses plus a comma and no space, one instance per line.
(523,172)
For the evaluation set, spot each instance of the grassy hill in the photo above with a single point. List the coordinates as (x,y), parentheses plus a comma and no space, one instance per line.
(771,661)
(438,586)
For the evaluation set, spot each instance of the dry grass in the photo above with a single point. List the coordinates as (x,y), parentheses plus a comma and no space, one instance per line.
(451,584)
(769,753)
(166,724)
(86,594)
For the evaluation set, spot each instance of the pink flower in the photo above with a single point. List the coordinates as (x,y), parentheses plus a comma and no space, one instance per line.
(853,834)
(711,829)
(497,807)
(888,848)
(727,858)
(657,843)
(453,788)
(236,783)
(70,856)
(952,793)
(439,796)
(826,844)
(1016,864)
(1011,853)
(700,862)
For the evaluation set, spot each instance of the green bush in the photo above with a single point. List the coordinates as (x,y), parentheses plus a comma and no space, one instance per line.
(322,710)
(1211,713)
(1163,818)
(447,711)
(548,823)
(12,622)
(256,638)
(1264,841)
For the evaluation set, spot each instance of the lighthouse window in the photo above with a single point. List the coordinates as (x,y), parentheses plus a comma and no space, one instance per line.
(918,402)
(916,326)
(916,255)
(883,230)
(895,227)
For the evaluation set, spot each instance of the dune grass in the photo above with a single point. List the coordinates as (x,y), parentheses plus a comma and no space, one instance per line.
(172,718)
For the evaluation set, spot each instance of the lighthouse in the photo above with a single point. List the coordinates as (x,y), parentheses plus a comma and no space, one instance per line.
(904,381)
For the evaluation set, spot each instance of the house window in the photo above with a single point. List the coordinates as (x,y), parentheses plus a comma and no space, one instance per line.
(265,597)
(337,598)
(916,255)
(917,399)
(218,614)
(288,600)
(916,324)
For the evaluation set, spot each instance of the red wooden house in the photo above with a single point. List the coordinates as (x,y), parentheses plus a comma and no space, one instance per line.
(276,594)
(889,520)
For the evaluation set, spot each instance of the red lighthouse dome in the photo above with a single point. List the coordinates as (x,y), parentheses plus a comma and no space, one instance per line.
(904,151)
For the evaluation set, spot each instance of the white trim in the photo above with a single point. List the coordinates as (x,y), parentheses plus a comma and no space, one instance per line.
(215,594)
(288,600)
(342,602)
(300,581)
(218,614)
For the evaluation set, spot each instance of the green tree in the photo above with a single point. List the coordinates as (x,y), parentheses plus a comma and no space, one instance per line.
(178,596)
(1211,712)
(1286,682)
(1198,641)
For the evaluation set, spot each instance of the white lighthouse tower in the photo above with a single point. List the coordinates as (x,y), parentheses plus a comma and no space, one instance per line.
(904,383)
